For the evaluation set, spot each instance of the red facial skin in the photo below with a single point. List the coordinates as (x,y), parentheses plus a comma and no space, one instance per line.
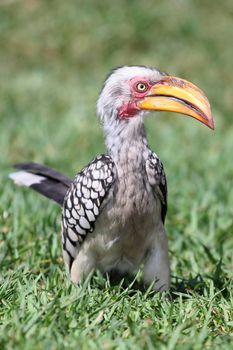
(130,109)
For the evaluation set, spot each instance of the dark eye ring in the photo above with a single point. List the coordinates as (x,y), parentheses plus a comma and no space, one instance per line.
(141,87)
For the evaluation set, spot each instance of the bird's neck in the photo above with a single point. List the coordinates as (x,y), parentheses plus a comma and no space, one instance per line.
(126,140)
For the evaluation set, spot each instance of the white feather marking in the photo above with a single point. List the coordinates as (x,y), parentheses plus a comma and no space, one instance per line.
(69,204)
(89,204)
(67,213)
(71,249)
(109,179)
(73,236)
(94,194)
(95,174)
(89,183)
(96,210)
(90,215)
(99,188)
(98,165)
(95,184)
(81,211)
(74,214)
(72,221)
(78,207)
(23,178)
(101,174)
(86,192)
(79,194)
(80,230)
(84,223)
(102,193)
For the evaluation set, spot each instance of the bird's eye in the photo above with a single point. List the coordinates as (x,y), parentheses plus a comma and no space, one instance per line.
(141,87)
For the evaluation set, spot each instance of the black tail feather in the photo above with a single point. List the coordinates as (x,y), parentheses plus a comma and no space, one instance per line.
(52,184)
(43,170)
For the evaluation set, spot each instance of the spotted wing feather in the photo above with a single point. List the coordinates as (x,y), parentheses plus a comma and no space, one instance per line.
(157,179)
(82,204)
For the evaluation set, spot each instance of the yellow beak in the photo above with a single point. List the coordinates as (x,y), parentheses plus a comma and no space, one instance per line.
(177,95)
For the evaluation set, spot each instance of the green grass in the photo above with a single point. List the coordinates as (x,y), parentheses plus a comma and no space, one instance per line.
(54,57)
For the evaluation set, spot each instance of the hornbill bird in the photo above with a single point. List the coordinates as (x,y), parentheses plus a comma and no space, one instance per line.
(113,212)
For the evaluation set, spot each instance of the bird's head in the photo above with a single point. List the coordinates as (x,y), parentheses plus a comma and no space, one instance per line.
(130,91)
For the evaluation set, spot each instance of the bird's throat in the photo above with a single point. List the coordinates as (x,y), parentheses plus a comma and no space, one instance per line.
(126,140)
(127,145)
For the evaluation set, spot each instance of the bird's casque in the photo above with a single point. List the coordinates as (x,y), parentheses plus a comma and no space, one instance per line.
(113,212)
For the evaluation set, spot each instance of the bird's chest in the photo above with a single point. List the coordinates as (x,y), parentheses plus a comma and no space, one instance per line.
(128,222)
(132,206)
(132,196)
(131,213)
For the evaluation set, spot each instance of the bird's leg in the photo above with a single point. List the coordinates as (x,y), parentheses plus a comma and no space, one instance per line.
(156,266)
(82,266)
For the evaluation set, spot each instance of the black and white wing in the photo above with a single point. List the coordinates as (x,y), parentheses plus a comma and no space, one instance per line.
(82,204)
(157,179)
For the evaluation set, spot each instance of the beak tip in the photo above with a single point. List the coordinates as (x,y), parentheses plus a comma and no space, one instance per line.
(211,124)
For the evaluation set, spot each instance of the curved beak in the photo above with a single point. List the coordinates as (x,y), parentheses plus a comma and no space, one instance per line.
(177,95)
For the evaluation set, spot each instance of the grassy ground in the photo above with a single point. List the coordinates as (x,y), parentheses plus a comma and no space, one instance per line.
(54,57)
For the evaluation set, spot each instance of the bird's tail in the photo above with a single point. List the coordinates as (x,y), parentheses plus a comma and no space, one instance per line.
(42,179)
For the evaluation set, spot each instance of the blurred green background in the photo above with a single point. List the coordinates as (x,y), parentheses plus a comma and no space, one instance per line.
(54,56)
